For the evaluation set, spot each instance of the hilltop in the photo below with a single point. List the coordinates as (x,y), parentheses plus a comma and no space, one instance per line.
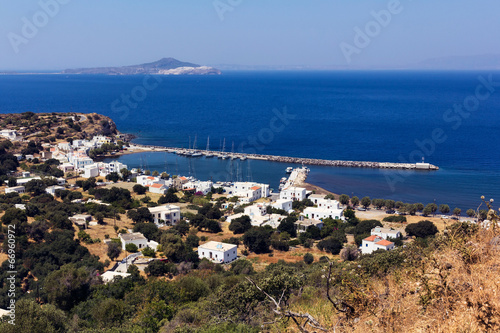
(165,66)
(55,127)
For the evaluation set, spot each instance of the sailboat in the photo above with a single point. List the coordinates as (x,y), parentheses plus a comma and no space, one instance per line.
(233,157)
(195,153)
(207,151)
(223,155)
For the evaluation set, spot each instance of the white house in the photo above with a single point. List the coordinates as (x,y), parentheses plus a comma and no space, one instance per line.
(15,189)
(80,162)
(218,252)
(136,238)
(374,243)
(149,180)
(199,186)
(9,134)
(385,233)
(324,208)
(157,188)
(249,191)
(293,193)
(168,214)
(66,167)
(303,225)
(256,210)
(109,276)
(81,219)
(64,146)
(114,166)
(52,189)
(24,181)
(91,170)
(284,204)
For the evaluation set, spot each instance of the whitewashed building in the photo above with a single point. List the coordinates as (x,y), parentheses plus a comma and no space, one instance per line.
(284,204)
(199,186)
(149,180)
(324,208)
(66,167)
(386,233)
(114,166)
(293,193)
(109,276)
(136,238)
(166,215)
(91,170)
(218,252)
(374,243)
(157,188)
(52,189)
(303,225)
(64,146)
(15,189)
(249,191)
(9,134)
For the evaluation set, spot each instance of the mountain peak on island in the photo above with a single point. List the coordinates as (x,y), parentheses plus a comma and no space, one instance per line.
(164,66)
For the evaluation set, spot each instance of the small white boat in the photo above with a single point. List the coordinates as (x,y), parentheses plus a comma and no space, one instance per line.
(283,180)
(243,158)
(289,170)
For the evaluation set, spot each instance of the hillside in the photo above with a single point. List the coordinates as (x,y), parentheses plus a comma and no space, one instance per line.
(165,66)
(56,127)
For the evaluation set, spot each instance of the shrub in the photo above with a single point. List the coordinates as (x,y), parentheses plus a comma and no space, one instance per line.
(395,218)
(421,229)
(114,250)
(257,240)
(331,245)
(242,266)
(148,252)
(240,225)
(349,253)
(130,247)
(308,258)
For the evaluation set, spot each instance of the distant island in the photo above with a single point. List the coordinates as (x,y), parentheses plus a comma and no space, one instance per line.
(165,66)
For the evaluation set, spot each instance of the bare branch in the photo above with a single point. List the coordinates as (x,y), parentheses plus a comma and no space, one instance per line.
(346,307)
(309,320)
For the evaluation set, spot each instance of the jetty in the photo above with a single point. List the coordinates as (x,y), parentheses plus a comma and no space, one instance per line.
(294,160)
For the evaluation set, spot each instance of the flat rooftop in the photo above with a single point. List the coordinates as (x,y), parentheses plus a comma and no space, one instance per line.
(217,246)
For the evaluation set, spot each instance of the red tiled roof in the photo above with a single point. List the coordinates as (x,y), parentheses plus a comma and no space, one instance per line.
(384,242)
(157,185)
(372,238)
(182,178)
(151,178)
(255,188)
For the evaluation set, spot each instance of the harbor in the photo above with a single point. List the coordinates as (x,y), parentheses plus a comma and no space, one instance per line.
(286,159)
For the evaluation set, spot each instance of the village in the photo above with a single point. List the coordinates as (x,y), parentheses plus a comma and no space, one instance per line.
(251,200)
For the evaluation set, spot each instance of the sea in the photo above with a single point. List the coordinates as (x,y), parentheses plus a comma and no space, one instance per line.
(451,119)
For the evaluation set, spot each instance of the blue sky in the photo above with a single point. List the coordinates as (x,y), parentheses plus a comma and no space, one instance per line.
(253,32)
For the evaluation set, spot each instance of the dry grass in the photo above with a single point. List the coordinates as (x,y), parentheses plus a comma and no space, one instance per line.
(99,231)
(455,288)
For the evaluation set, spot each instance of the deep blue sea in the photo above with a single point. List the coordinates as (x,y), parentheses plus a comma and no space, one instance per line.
(391,116)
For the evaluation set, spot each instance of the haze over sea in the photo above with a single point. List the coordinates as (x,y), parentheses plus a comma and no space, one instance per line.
(365,116)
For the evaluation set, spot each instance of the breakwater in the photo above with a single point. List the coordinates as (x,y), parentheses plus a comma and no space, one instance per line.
(287,159)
